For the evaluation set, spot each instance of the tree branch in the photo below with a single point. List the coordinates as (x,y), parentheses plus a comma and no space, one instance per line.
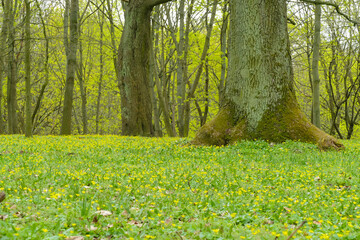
(337,8)
(153,3)
(291,21)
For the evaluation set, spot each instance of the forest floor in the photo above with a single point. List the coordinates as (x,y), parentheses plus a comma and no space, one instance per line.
(110,187)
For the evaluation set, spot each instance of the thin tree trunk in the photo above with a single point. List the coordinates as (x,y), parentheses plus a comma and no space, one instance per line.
(191,92)
(180,76)
(182,47)
(4,31)
(28,121)
(112,37)
(223,41)
(46,66)
(207,102)
(154,100)
(315,68)
(98,101)
(70,68)
(80,76)
(11,73)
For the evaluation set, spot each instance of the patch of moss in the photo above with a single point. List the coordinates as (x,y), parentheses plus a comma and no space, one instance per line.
(216,131)
(285,121)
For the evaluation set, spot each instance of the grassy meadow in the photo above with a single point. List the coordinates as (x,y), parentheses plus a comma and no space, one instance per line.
(110,187)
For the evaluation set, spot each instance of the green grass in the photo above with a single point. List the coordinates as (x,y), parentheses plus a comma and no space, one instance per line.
(164,189)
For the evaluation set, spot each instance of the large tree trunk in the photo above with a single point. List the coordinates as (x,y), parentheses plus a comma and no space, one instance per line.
(261,102)
(134,72)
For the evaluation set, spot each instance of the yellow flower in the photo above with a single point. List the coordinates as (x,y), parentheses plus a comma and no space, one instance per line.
(45,230)
(215,230)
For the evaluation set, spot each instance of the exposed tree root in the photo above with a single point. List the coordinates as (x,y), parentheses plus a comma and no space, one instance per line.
(284,122)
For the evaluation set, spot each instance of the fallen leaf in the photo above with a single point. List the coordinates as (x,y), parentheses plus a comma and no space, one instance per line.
(75,238)
(135,209)
(136,223)
(317,223)
(3,217)
(103,213)
(91,228)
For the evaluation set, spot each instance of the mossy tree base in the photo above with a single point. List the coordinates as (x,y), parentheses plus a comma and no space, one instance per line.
(261,103)
(280,123)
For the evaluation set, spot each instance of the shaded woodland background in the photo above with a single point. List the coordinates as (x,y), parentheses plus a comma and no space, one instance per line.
(186,69)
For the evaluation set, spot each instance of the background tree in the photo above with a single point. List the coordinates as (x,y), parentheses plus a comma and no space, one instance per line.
(28,114)
(11,68)
(2,58)
(71,50)
(315,68)
(134,57)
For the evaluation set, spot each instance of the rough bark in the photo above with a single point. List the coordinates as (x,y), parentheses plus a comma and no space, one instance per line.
(261,101)
(134,72)
(70,67)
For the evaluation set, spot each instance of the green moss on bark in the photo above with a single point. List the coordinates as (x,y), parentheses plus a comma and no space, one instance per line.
(282,122)
(287,121)
(217,131)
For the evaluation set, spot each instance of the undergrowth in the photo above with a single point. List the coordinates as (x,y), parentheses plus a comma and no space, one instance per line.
(109,187)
